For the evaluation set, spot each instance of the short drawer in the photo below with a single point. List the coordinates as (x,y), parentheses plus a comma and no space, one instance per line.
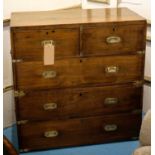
(29,44)
(51,134)
(112,39)
(79,72)
(78,102)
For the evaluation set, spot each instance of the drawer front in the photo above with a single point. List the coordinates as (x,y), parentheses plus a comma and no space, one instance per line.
(29,44)
(78,102)
(50,134)
(113,39)
(79,72)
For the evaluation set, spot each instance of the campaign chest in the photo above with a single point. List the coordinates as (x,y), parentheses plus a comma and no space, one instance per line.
(92,92)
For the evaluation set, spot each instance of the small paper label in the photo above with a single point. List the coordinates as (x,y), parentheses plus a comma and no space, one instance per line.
(48,54)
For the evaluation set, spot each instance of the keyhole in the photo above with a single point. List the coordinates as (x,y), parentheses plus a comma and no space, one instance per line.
(80,94)
(53,31)
(46,33)
(114,29)
(80,60)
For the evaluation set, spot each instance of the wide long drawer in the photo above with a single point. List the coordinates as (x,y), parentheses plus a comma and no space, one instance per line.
(78,102)
(29,44)
(112,39)
(79,72)
(50,134)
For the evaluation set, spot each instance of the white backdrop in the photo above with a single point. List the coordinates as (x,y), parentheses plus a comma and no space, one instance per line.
(141,6)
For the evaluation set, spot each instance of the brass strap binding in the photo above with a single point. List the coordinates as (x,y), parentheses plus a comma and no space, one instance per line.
(17,60)
(18,93)
(137,111)
(138,83)
(24,150)
(22,122)
(141,52)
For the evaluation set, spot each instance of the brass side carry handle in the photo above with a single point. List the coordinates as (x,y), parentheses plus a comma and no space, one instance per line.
(113,39)
(51,134)
(50,106)
(111,69)
(111,101)
(49,74)
(110,127)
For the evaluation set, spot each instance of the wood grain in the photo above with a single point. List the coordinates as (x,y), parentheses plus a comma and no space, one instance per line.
(28,45)
(77,16)
(79,131)
(77,72)
(79,102)
(87,71)
(94,39)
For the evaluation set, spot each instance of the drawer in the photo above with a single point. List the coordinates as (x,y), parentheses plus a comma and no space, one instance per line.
(78,102)
(28,44)
(51,134)
(110,39)
(79,72)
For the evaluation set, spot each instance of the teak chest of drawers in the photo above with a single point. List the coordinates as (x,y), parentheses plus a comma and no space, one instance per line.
(93,91)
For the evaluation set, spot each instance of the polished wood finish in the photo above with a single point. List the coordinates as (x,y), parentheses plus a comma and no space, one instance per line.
(96,78)
(78,16)
(71,73)
(79,131)
(29,44)
(94,39)
(79,102)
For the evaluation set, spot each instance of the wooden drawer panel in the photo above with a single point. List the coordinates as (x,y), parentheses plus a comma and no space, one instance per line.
(78,102)
(28,44)
(50,134)
(113,39)
(79,72)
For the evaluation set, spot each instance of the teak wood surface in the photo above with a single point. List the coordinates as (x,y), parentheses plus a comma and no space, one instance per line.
(77,16)
(77,72)
(82,80)
(80,131)
(79,102)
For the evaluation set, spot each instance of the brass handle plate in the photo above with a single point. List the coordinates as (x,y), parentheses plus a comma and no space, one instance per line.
(111,101)
(49,74)
(45,42)
(50,106)
(111,69)
(113,39)
(110,127)
(51,134)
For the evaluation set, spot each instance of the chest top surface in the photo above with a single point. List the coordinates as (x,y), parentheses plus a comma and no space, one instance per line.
(73,16)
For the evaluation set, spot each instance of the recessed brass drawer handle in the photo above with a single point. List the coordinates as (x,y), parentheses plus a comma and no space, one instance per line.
(110,127)
(111,69)
(50,106)
(51,134)
(49,74)
(111,101)
(113,39)
(45,42)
